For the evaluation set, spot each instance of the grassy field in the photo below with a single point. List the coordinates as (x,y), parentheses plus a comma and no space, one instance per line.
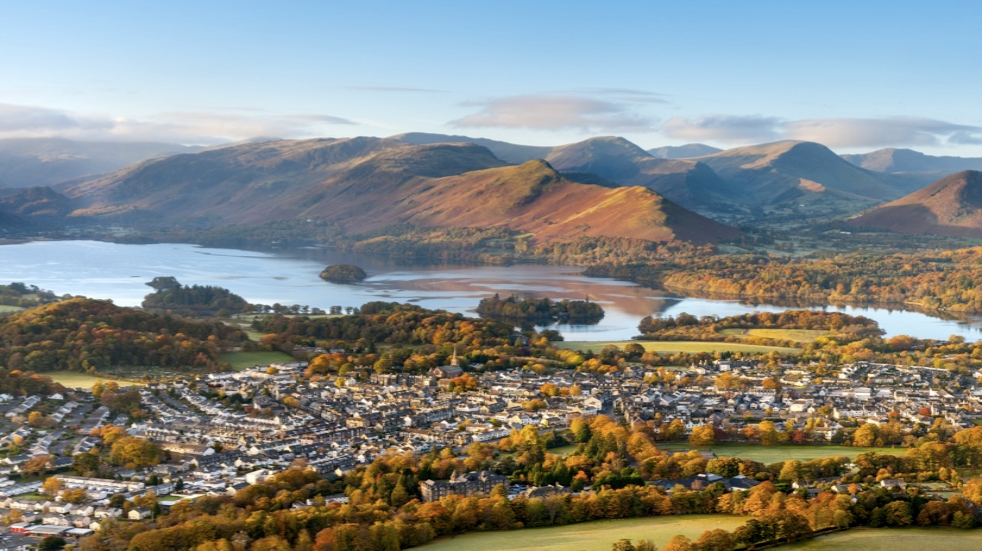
(894,539)
(669,347)
(243,360)
(564,450)
(773,454)
(7,308)
(588,536)
(803,336)
(74,379)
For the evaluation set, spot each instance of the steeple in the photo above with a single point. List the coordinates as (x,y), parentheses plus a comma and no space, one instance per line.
(453,361)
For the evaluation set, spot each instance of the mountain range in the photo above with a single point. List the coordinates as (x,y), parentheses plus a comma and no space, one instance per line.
(602,186)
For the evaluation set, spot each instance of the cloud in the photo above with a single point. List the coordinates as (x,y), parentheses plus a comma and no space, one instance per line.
(724,128)
(881,132)
(394,89)
(833,132)
(25,121)
(627,94)
(554,112)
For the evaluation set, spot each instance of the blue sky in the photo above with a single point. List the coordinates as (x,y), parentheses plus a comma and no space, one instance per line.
(856,76)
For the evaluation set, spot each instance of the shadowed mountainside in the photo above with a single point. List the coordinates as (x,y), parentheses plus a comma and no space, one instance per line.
(951,206)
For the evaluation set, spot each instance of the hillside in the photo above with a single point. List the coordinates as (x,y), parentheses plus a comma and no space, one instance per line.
(911,170)
(28,162)
(951,206)
(799,172)
(364,184)
(685,182)
(508,152)
(686,151)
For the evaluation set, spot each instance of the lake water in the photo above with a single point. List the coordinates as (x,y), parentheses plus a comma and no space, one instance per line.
(107,270)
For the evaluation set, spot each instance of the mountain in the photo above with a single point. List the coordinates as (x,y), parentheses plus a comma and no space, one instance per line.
(615,160)
(370,183)
(685,182)
(40,204)
(686,151)
(912,169)
(509,152)
(27,162)
(950,206)
(797,172)
(907,160)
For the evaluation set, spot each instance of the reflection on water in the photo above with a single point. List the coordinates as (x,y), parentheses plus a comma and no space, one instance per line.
(107,270)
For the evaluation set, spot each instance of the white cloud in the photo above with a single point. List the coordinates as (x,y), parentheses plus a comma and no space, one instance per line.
(833,132)
(554,112)
(25,121)
(723,128)
(898,131)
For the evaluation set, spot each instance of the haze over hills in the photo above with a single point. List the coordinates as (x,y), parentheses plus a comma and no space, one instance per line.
(686,151)
(797,172)
(509,152)
(913,167)
(26,162)
(951,206)
(370,183)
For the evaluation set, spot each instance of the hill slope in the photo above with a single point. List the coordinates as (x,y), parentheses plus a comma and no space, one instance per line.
(686,151)
(365,184)
(950,206)
(27,162)
(792,171)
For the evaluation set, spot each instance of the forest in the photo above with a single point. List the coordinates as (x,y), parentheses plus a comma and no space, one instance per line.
(89,335)
(941,280)
(540,311)
(194,300)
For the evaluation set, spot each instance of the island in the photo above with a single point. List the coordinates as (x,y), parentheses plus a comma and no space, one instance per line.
(540,310)
(343,273)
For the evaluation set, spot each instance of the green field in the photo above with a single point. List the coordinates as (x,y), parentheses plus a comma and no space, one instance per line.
(8,308)
(74,379)
(894,539)
(588,536)
(671,347)
(243,360)
(773,454)
(803,336)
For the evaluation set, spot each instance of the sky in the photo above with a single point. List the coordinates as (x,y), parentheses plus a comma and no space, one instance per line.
(855,76)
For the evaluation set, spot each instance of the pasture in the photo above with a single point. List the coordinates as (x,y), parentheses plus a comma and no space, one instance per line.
(893,539)
(74,379)
(801,336)
(243,360)
(673,347)
(773,454)
(587,536)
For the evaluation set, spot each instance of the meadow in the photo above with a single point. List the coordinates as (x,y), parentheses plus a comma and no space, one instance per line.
(74,379)
(773,454)
(587,536)
(801,336)
(672,347)
(244,360)
(893,539)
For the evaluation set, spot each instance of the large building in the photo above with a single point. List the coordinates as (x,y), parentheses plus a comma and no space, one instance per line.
(467,484)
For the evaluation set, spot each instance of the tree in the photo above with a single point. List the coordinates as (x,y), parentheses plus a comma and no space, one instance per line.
(716,540)
(52,543)
(679,543)
(702,435)
(51,487)
(36,465)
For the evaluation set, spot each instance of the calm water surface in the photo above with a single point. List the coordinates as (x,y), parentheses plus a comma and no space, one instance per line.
(107,270)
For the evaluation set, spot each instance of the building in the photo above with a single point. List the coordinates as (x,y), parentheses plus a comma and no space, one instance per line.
(467,484)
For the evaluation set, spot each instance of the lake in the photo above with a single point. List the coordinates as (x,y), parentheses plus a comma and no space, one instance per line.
(119,272)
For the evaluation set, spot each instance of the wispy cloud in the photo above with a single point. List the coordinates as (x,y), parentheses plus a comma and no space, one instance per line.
(397,89)
(554,112)
(26,121)
(833,132)
(881,132)
(723,128)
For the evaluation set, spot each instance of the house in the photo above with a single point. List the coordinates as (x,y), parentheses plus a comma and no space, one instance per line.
(139,513)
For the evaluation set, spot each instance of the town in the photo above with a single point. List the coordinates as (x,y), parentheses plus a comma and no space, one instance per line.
(217,433)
